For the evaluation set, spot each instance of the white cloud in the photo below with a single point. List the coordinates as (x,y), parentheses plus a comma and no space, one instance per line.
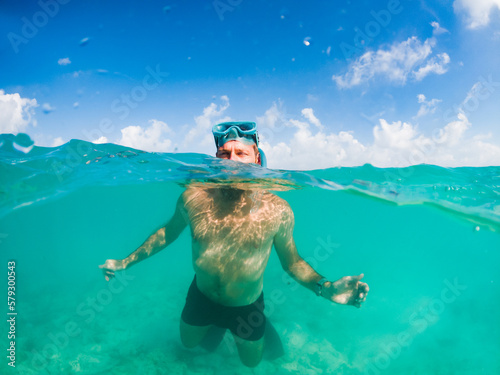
(57,142)
(44,140)
(435,65)
(477,12)
(200,137)
(103,139)
(308,113)
(410,58)
(15,112)
(272,118)
(312,150)
(64,61)
(427,106)
(157,137)
(307,143)
(394,136)
(152,138)
(437,29)
(396,144)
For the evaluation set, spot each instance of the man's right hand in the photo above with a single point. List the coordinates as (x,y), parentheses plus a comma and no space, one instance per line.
(110,266)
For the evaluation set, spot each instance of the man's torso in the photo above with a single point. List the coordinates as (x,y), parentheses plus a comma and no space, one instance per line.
(232,233)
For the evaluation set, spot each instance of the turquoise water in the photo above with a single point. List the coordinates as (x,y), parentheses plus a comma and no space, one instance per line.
(427,239)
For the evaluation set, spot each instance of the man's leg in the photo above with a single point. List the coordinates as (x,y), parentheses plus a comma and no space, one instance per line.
(250,352)
(197,312)
(191,336)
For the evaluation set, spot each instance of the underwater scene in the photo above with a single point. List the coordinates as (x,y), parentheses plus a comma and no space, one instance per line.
(426,238)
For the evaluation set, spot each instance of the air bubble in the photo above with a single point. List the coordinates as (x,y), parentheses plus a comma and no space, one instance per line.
(307,41)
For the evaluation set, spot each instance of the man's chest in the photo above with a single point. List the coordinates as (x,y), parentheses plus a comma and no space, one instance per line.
(252,230)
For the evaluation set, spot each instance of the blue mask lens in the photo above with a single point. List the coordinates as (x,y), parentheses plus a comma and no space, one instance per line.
(245,132)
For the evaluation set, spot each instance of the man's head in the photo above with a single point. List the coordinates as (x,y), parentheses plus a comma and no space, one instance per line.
(238,141)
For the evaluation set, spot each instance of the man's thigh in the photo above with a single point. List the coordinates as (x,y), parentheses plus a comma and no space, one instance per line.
(191,335)
(250,352)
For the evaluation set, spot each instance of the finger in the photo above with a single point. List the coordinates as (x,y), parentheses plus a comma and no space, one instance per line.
(355,279)
(106,277)
(101,266)
(363,288)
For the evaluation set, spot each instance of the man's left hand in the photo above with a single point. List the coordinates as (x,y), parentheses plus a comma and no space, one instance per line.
(348,290)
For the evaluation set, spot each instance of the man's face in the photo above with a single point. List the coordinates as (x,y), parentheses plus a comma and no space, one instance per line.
(237,151)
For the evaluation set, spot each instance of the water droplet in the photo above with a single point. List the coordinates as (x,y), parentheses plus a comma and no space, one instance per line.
(47,108)
(84,41)
(307,41)
(477,229)
(284,13)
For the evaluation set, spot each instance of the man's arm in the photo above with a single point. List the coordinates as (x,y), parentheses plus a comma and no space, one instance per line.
(348,290)
(156,242)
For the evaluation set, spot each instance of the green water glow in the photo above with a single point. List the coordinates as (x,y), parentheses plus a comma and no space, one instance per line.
(427,239)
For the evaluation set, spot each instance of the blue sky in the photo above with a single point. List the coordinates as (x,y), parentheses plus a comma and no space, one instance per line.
(391,83)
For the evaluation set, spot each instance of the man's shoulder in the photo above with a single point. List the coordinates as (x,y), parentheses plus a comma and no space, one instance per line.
(191,193)
(277,202)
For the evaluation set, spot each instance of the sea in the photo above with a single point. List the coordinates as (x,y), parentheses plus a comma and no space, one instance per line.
(426,238)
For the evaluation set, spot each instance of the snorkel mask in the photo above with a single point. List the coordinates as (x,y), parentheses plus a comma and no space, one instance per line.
(244,132)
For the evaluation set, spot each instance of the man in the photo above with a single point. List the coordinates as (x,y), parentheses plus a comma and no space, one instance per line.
(233,232)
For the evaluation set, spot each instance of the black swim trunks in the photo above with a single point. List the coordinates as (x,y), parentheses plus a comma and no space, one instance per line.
(247,322)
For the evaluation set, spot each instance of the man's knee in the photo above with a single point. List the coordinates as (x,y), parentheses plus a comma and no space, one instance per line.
(189,342)
(252,361)
(250,352)
(191,336)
